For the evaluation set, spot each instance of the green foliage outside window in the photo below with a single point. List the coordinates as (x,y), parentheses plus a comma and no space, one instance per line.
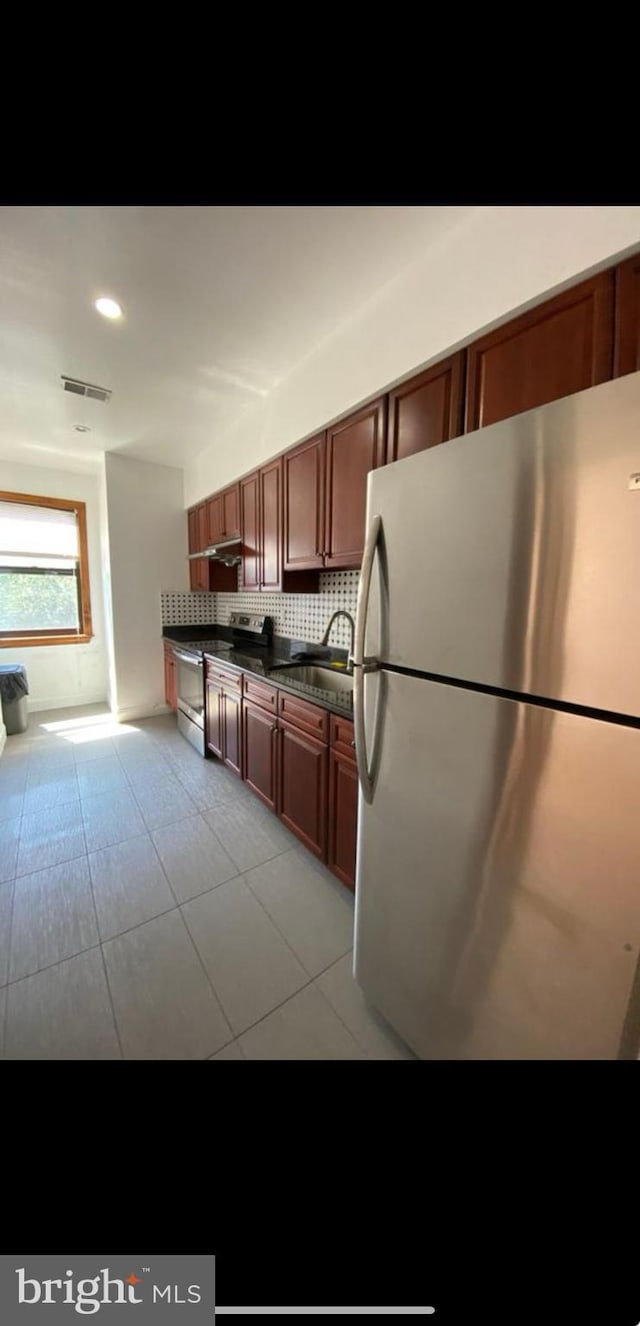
(38,602)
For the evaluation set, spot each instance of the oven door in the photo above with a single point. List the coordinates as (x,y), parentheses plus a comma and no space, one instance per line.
(190,686)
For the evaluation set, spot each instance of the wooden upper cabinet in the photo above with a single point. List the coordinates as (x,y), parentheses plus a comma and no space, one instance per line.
(199,569)
(215,520)
(562,346)
(223,515)
(261,513)
(270,487)
(192,521)
(627,333)
(250,527)
(231,512)
(355,446)
(203,526)
(304,509)
(426,410)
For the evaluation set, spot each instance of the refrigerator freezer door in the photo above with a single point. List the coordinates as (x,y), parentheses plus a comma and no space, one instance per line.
(511,556)
(498,893)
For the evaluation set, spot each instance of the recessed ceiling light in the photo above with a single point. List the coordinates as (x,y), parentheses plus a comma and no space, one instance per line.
(81,428)
(109,308)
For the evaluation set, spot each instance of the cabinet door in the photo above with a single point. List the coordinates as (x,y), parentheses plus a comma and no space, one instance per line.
(194,530)
(271,526)
(260,733)
(250,519)
(170,693)
(304,486)
(302,802)
(203,526)
(232,731)
(213,718)
(215,519)
(627,335)
(199,573)
(343,818)
(231,512)
(426,410)
(564,345)
(354,447)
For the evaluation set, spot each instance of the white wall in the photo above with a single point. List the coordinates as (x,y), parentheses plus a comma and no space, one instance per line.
(147,540)
(494,261)
(62,675)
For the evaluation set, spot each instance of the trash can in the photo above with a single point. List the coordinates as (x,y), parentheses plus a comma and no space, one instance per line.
(14,690)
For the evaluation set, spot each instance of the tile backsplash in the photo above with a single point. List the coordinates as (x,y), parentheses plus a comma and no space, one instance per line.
(187,609)
(299,616)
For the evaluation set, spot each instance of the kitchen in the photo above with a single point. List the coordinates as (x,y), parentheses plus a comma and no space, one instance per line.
(220,810)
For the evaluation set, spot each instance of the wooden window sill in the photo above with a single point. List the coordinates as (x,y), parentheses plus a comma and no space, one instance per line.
(37,641)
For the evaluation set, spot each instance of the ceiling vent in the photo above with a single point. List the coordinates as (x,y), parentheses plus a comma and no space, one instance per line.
(86,389)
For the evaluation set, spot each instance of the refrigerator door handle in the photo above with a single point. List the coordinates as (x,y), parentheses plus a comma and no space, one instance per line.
(361,665)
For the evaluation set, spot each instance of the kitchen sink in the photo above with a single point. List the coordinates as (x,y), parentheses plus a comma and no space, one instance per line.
(323,679)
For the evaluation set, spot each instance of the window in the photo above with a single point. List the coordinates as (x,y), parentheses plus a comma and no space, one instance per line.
(44,572)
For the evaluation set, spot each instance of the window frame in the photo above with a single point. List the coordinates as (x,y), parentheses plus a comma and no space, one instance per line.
(13,640)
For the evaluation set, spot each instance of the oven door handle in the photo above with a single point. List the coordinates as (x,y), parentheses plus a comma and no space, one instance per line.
(188,658)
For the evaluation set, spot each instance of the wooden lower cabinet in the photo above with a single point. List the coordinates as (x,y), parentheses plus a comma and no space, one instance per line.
(343,802)
(170,692)
(302,800)
(343,818)
(213,718)
(223,717)
(300,761)
(260,735)
(231,706)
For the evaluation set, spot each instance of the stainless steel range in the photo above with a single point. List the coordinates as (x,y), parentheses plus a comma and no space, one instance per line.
(250,634)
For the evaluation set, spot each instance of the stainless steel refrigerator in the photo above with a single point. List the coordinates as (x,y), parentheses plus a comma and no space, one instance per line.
(497,708)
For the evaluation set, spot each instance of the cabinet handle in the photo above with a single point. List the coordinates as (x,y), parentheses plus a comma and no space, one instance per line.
(353,744)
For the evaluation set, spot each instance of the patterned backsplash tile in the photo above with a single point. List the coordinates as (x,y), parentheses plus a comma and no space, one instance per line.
(186,609)
(298,616)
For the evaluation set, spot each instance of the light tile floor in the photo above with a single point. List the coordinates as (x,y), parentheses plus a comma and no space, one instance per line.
(152,908)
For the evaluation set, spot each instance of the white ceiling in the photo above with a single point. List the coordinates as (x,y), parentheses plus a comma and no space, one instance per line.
(220,304)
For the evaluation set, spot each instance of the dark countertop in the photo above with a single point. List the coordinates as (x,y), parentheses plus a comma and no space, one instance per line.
(262,663)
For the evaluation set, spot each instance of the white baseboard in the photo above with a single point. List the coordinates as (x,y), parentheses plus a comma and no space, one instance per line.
(66,701)
(141,711)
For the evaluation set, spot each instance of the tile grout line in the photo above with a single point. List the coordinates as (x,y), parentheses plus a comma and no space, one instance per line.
(268,914)
(102,959)
(5,1017)
(179,905)
(184,922)
(216,996)
(275,923)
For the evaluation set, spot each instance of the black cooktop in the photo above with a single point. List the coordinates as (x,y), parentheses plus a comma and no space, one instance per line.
(205,646)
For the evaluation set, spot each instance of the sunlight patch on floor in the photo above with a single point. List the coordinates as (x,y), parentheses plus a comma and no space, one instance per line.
(93,728)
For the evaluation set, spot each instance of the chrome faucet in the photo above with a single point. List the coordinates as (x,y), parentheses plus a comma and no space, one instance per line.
(342,613)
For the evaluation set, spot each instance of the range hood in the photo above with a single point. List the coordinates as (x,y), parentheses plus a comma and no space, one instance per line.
(227,551)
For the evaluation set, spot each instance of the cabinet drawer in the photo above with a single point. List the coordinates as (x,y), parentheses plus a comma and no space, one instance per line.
(342,737)
(308,717)
(229,679)
(265,696)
